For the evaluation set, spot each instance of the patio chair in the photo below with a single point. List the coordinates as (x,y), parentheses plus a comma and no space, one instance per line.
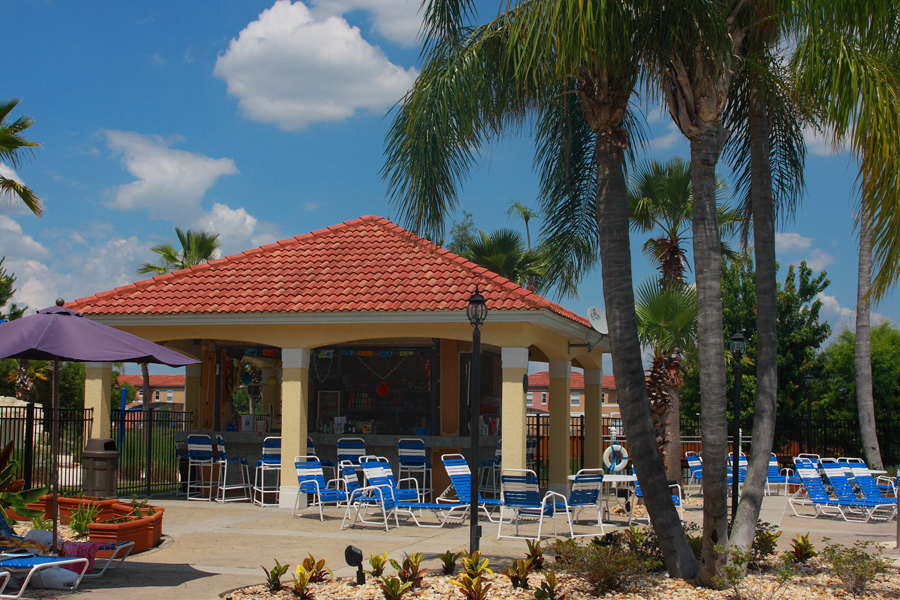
(863,479)
(461,484)
(201,461)
(30,566)
(695,465)
(413,461)
(776,476)
(223,461)
(377,471)
(886,484)
(326,464)
(520,492)
(585,493)
(817,496)
(637,493)
(351,449)
(312,481)
(268,464)
(379,496)
(878,509)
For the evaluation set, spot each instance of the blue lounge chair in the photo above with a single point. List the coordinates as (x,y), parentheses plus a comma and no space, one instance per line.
(676,499)
(520,493)
(816,495)
(378,496)
(29,566)
(695,465)
(378,466)
(879,509)
(776,476)
(312,481)
(380,477)
(585,493)
(461,484)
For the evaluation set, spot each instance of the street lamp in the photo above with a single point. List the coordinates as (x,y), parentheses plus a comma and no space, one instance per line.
(809,381)
(476,311)
(738,346)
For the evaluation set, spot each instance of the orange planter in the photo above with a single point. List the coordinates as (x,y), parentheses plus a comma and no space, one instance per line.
(130,531)
(67,505)
(156,519)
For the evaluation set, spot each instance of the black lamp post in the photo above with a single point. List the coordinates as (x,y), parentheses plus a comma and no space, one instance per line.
(738,346)
(476,311)
(809,381)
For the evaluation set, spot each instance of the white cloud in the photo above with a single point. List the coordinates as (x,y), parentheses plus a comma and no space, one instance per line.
(666,142)
(311,206)
(397,20)
(293,69)
(791,242)
(818,260)
(10,173)
(16,244)
(170,183)
(821,143)
(831,306)
(237,229)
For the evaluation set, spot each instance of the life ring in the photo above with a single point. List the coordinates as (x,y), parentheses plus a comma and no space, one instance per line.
(615,457)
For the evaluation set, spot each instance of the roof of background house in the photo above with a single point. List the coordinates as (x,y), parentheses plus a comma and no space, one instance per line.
(542,379)
(166,381)
(368,264)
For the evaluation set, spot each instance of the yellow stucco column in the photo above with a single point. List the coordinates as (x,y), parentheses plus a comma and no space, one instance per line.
(514,362)
(593,418)
(294,417)
(192,381)
(560,409)
(97,389)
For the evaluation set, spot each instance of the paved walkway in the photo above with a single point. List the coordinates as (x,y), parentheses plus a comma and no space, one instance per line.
(211,548)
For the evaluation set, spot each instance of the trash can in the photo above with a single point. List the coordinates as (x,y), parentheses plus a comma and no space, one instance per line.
(100,468)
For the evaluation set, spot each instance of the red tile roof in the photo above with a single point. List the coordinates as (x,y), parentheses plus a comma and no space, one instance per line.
(542,379)
(368,264)
(166,381)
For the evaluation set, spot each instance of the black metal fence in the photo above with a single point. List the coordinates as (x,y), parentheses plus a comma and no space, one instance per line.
(31,428)
(147,441)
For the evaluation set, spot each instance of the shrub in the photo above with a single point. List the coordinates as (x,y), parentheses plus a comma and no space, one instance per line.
(475,566)
(604,568)
(82,516)
(41,523)
(549,588)
(518,573)
(535,553)
(643,542)
(802,549)
(854,566)
(393,588)
(301,583)
(378,562)
(448,561)
(316,570)
(410,571)
(765,541)
(273,577)
(472,588)
(734,571)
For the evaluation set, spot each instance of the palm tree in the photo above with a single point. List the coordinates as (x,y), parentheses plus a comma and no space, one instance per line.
(517,208)
(12,147)
(667,323)
(196,247)
(503,252)
(865,402)
(572,67)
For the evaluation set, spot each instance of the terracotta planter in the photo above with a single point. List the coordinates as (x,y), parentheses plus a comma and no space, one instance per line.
(67,505)
(155,520)
(136,531)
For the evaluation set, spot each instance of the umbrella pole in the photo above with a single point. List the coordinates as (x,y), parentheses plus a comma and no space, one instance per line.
(54,442)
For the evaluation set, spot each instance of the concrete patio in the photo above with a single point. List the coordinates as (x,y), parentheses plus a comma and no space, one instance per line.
(209,549)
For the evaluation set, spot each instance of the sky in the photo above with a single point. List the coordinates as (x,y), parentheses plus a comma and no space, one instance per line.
(266,120)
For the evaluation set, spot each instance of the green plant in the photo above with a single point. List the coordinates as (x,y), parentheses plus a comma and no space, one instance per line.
(378,562)
(448,561)
(605,568)
(734,572)
(643,542)
(694,538)
(549,588)
(12,490)
(273,577)
(301,583)
(393,588)
(82,516)
(316,570)
(410,571)
(472,588)
(39,522)
(765,541)
(475,566)
(535,553)
(855,566)
(518,573)
(802,548)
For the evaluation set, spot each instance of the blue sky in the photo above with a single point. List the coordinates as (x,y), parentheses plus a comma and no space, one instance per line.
(266,120)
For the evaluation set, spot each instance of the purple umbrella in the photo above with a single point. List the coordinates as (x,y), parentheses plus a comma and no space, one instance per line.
(56,334)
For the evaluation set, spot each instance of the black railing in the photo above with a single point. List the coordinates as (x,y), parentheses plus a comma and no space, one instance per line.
(30,427)
(144,442)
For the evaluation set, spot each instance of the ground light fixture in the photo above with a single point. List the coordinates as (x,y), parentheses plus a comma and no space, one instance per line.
(354,558)
(476,311)
(737,346)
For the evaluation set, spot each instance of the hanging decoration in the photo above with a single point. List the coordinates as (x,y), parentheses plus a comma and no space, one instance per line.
(362,353)
(382,389)
(327,354)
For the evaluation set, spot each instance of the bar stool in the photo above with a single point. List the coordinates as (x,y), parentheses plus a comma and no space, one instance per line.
(412,461)
(326,464)
(489,471)
(243,470)
(351,449)
(269,463)
(200,458)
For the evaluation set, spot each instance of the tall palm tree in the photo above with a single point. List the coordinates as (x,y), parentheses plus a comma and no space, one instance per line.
(667,323)
(660,199)
(865,402)
(502,252)
(518,208)
(13,146)
(572,67)
(196,247)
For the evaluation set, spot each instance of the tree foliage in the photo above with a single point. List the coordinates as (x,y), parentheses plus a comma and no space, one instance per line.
(13,147)
(800,335)
(196,247)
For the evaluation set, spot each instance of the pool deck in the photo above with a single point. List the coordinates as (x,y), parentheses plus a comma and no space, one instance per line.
(209,549)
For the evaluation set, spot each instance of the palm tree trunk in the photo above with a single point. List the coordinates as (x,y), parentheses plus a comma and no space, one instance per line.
(763,206)
(865,403)
(618,294)
(705,149)
(23,381)
(672,456)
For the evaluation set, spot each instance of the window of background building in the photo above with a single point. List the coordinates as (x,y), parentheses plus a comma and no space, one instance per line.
(169,395)
(529,398)
(576,398)
(543,397)
(157,396)
(603,397)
